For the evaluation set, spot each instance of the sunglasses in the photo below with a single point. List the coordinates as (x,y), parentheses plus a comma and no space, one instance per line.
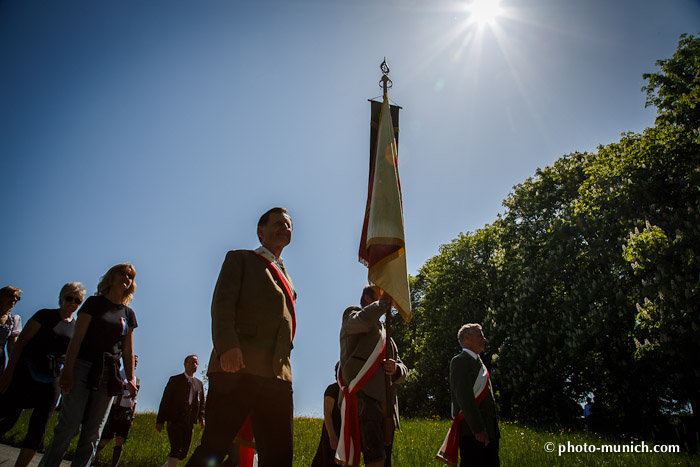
(14,298)
(70,299)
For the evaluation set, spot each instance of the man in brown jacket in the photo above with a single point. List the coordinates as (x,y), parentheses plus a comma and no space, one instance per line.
(360,332)
(250,374)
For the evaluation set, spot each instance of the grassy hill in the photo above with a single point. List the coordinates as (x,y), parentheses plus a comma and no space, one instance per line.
(415,446)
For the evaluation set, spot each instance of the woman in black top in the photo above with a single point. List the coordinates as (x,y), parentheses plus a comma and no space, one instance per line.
(103,335)
(325,454)
(31,378)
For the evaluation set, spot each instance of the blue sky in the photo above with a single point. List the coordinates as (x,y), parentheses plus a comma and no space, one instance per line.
(157,133)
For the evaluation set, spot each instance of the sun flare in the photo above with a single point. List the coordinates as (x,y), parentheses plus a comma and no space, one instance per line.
(484,12)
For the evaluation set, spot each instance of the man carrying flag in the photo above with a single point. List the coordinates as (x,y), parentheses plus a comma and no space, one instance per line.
(366,346)
(363,364)
(475,427)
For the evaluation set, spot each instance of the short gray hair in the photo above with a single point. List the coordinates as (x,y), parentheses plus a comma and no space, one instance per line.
(466,329)
(72,287)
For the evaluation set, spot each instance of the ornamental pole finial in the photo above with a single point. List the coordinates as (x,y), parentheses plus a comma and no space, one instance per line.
(385,83)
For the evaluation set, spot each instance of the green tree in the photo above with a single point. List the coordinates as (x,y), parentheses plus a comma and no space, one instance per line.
(588,282)
(649,184)
(451,289)
(675,90)
(538,316)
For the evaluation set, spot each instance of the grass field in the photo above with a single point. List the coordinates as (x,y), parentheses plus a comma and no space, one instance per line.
(415,445)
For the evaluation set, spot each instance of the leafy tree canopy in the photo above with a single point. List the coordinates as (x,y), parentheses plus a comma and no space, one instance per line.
(589,282)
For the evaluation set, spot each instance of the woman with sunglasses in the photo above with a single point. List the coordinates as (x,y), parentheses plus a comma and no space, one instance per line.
(31,378)
(10,325)
(90,378)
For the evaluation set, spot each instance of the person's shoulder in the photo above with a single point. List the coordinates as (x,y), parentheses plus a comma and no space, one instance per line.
(47,311)
(241,257)
(92,303)
(131,317)
(332,388)
(44,313)
(92,299)
(462,357)
(239,253)
(349,310)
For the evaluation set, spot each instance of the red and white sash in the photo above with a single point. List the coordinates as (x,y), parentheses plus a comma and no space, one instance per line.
(349,448)
(246,445)
(449,451)
(245,437)
(281,279)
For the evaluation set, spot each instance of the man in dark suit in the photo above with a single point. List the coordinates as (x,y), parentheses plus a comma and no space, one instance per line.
(472,394)
(250,374)
(182,406)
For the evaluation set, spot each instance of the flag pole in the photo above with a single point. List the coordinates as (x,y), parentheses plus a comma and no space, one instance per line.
(385,84)
(382,242)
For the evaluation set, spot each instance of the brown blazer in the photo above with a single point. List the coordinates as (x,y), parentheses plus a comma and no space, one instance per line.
(251,311)
(359,334)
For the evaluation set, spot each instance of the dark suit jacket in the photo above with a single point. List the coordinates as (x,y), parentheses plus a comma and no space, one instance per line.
(464,370)
(175,407)
(251,311)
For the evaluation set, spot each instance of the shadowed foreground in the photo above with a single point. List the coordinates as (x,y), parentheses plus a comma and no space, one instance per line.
(415,446)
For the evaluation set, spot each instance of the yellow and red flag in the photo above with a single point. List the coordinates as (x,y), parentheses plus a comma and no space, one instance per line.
(382,246)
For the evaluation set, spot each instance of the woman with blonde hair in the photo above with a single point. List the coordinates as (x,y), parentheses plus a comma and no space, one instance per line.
(90,379)
(31,378)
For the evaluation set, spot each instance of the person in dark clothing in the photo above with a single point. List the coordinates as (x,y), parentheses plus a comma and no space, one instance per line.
(30,380)
(182,406)
(325,454)
(473,404)
(90,378)
(121,417)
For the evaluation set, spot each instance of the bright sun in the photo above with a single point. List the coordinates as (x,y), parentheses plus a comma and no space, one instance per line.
(484,11)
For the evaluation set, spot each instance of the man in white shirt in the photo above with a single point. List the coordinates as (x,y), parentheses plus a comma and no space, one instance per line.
(182,406)
(472,395)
